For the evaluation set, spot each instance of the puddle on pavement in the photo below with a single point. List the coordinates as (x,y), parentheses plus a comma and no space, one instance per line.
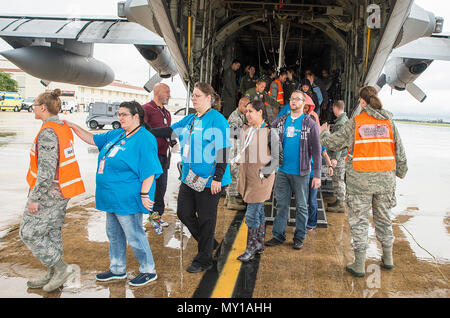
(373,250)
(436,242)
(174,239)
(96,226)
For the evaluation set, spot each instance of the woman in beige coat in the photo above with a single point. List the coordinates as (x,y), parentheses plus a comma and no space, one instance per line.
(257,164)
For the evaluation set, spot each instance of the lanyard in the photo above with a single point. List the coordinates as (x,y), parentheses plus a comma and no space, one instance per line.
(121,137)
(194,123)
(247,141)
(166,122)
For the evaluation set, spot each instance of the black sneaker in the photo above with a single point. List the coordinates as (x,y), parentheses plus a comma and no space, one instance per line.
(298,244)
(272,242)
(142,279)
(197,268)
(108,275)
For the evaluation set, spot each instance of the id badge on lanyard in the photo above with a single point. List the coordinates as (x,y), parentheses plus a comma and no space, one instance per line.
(101,166)
(290,131)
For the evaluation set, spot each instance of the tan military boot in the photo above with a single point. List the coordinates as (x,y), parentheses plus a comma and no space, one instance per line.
(61,273)
(387,260)
(329,199)
(337,207)
(41,281)
(239,200)
(233,205)
(357,268)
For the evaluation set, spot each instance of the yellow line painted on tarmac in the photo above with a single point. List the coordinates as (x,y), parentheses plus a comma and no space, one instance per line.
(227,280)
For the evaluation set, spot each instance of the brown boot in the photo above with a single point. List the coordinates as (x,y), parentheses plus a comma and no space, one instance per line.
(329,200)
(337,207)
(233,205)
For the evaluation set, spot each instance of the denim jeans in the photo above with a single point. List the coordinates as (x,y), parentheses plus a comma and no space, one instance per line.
(123,228)
(312,208)
(285,184)
(254,216)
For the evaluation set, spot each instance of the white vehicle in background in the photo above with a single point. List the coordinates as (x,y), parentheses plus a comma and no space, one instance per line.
(101,114)
(27,104)
(68,105)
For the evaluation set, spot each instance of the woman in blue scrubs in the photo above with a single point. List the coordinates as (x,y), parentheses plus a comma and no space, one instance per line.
(204,141)
(127,168)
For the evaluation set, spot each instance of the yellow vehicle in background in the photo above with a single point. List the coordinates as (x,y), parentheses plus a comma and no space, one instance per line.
(11,101)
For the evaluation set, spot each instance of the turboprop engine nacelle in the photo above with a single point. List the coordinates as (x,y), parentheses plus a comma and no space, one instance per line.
(401,71)
(56,65)
(159,58)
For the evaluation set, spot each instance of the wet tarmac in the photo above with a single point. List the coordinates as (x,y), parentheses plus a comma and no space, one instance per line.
(421,228)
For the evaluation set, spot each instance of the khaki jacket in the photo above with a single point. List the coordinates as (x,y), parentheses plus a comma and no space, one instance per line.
(251,186)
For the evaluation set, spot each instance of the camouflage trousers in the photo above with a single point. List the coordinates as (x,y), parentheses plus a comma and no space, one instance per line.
(41,232)
(339,181)
(359,207)
(234,170)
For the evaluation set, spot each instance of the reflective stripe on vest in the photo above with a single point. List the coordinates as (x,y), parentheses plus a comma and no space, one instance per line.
(68,172)
(374,148)
(280,94)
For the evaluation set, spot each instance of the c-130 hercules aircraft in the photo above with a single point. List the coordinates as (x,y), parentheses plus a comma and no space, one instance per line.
(199,38)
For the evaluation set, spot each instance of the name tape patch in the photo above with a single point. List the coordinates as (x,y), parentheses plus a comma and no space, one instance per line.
(68,152)
(374,131)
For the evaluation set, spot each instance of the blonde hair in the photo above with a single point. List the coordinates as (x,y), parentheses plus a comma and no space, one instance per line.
(51,100)
(370,95)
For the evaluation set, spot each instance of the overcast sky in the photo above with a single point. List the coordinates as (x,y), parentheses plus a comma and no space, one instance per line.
(435,81)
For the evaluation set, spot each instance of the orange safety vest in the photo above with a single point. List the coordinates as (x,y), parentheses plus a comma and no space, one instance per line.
(280,94)
(68,172)
(374,148)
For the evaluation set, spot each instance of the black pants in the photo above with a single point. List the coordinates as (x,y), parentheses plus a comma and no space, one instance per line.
(161,187)
(198,211)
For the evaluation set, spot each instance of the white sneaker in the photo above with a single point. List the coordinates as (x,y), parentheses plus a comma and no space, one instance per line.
(164,223)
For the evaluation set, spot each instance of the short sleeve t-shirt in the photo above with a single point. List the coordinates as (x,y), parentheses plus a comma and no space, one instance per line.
(127,164)
(291,145)
(200,139)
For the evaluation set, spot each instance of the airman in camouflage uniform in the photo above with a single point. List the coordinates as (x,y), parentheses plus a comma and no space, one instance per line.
(236,121)
(338,177)
(258,93)
(40,229)
(368,191)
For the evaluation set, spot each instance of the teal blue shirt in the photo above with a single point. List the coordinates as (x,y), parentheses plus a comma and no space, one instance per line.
(291,145)
(129,162)
(210,133)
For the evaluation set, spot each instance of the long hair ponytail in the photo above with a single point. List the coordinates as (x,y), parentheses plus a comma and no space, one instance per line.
(370,96)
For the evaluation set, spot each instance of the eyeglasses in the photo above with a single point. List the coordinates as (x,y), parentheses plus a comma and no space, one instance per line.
(296,99)
(196,96)
(120,115)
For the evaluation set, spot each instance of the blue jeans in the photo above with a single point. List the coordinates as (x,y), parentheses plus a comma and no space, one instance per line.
(312,209)
(254,216)
(285,184)
(123,228)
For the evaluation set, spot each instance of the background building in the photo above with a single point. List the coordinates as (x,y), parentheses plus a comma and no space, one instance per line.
(117,91)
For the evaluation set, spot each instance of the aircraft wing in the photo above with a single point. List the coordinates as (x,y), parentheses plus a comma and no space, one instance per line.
(436,47)
(61,48)
(86,30)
